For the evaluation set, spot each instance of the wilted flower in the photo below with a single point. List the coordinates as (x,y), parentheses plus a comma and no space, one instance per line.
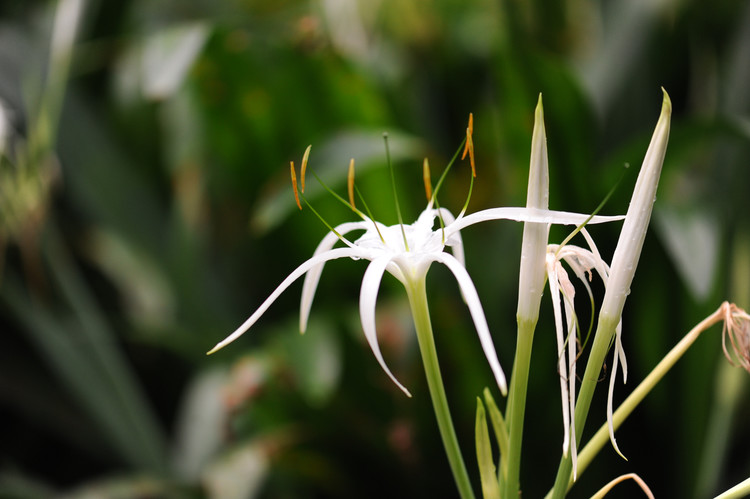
(737,328)
(582,262)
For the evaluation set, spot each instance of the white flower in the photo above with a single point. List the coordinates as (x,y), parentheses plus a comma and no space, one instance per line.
(582,262)
(406,252)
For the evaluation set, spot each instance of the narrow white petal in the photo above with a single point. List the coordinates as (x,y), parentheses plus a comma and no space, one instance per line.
(313,275)
(621,352)
(367,298)
(610,395)
(528,215)
(477,314)
(601,266)
(572,357)
(296,274)
(554,290)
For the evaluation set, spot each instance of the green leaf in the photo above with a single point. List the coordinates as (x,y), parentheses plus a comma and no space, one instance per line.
(498,425)
(81,348)
(490,485)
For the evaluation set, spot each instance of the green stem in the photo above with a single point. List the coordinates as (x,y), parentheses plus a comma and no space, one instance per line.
(516,407)
(739,491)
(604,333)
(418,301)
(626,408)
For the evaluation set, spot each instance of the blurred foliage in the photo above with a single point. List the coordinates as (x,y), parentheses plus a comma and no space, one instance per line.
(145,210)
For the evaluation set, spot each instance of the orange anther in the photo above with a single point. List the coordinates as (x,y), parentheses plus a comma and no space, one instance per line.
(294,184)
(303,169)
(350,183)
(427,181)
(469,147)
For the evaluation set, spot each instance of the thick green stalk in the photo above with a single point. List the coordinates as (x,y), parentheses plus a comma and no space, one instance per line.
(516,408)
(644,388)
(604,334)
(739,491)
(417,293)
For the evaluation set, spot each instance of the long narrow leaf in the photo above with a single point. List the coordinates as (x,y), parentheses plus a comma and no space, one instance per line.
(490,485)
(498,425)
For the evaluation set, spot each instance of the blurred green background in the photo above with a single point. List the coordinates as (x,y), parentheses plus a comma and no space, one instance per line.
(146,210)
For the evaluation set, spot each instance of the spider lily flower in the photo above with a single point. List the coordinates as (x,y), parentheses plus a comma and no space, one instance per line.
(406,252)
(582,262)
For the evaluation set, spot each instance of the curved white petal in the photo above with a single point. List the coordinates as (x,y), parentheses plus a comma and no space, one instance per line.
(554,290)
(537,215)
(601,266)
(617,356)
(477,313)
(296,274)
(571,320)
(368,296)
(313,275)
(621,352)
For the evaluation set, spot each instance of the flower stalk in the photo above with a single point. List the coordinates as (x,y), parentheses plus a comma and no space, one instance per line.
(601,437)
(417,293)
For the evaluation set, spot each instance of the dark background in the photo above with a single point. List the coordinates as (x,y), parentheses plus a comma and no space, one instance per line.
(146,211)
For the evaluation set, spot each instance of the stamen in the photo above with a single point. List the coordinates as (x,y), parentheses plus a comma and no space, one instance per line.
(594,213)
(446,170)
(468,197)
(298,194)
(294,184)
(350,183)
(369,214)
(427,181)
(439,184)
(469,147)
(303,169)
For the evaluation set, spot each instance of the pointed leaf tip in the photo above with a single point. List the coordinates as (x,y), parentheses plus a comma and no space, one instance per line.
(666,106)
